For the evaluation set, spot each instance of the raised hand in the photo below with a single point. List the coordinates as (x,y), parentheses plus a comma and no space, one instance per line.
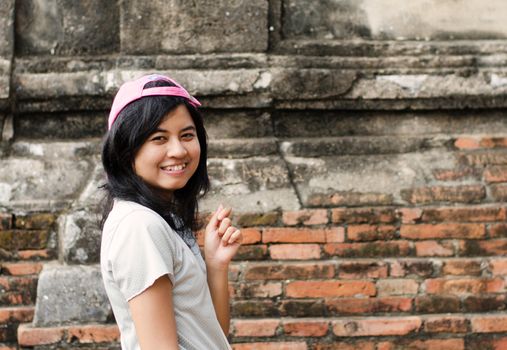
(221,239)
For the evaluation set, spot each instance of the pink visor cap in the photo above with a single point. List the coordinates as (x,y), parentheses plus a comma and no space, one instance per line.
(134,90)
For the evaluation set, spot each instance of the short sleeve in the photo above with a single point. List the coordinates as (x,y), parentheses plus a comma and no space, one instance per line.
(142,250)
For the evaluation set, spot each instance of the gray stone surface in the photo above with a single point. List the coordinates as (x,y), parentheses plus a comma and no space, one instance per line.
(69,294)
(366,179)
(199,26)
(399,19)
(59,27)
(7,46)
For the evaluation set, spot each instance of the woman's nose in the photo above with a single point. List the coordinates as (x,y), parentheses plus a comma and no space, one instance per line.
(176,149)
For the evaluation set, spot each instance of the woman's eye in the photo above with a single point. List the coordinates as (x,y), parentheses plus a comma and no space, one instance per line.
(158,138)
(188,136)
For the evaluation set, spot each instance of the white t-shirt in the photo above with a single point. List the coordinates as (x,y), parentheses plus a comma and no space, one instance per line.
(138,247)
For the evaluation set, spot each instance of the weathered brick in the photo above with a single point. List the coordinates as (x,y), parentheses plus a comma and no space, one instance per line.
(437,194)
(369,249)
(34,254)
(293,235)
(346,345)
(34,221)
(347,198)
(305,217)
(410,215)
(477,342)
(496,173)
(362,269)
(5,221)
(488,323)
(423,344)
(483,158)
(428,231)
(493,142)
(388,287)
(361,306)
(465,214)
(402,268)
(252,252)
(258,219)
(16,314)
(463,286)
(22,268)
(484,303)
(498,266)
(305,328)
(316,289)
(254,308)
(30,336)
(462,267)
(483,248)
(294,345)
(432,304)
(271,271)
(294,251)
(460,173)
(336,235)
(434,248)
(499,192)
(376,326)
(498,230)
(371,232)
(257,290)
(363,215)
(445,324)
(234,271)
(255,328)
(467,143)
(251,235)
(23,239)
(91,334)
(302,307)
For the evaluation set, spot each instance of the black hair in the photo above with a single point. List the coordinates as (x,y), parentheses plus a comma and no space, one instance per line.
(134,124)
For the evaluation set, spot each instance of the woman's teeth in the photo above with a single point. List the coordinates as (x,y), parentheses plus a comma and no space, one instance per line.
(176,167)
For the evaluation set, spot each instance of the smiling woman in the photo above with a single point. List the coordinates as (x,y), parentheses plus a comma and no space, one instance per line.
(164,295)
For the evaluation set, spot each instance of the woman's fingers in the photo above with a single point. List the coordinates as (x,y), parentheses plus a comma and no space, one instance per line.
(227,235)
(236,237)
(224,225)
(224,213)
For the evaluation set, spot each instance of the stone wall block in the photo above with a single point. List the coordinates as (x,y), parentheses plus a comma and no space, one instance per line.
(201,26)
(79,237)
(67,294)
(59,27)
(7,46)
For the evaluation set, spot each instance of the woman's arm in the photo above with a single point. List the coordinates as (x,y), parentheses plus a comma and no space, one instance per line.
(218,282)
(153,315)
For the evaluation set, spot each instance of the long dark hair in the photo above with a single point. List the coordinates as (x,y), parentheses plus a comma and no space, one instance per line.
(134,124)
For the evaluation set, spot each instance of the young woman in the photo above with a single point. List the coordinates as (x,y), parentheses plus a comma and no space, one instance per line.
(164,295)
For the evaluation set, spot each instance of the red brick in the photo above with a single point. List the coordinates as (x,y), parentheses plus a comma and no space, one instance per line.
(22,268)
(251,235)
(370,232)
(29,336)
(255,328)
(428,231)
(498,230)
(437,304)
(397,287)
(489,323)
(305,217)
(348,198)
(463,286)
(272,271)
(361,306)
(369,249)
(294,235)
(252,252)
(499,192)
(234,271)
(376,326)
(305,328)
(362,269)
(459,173)
(410,215)
(363,215)
(294,251)
(467,143)
(462,267)
(496,173)
(445,324)
(34,254)
(483,158)
(483,248)
(498,266)
(88,334)
(257,219)
(493,142)
(423,344)
(465,214)
(335,235)
(434,248)
(437,194)
(316,289)
(416,267)
(271,346)
(16,314)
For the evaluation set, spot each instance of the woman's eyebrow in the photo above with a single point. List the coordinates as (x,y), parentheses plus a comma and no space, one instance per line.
(190,127)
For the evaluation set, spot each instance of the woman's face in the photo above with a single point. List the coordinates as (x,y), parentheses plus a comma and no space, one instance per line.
(170,156)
